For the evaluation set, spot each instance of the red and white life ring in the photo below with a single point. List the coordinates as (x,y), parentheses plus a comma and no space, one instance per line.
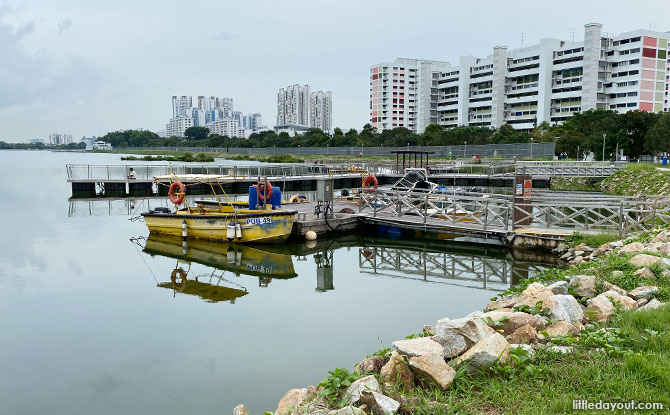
(177,198)
(370,181)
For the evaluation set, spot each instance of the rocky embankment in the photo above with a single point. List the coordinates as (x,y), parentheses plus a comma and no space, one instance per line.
(565,306)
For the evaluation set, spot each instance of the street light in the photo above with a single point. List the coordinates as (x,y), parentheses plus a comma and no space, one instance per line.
(604,135)
(465,150)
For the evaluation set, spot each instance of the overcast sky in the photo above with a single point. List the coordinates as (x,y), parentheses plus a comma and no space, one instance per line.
(88,67)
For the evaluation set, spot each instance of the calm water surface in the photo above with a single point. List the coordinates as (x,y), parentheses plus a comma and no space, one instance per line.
(92,323)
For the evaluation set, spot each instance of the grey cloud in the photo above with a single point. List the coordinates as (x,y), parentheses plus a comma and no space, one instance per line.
(63,25)
(225,35)
(25,30)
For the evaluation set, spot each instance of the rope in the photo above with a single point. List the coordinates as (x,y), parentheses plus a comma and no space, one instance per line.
(136,243)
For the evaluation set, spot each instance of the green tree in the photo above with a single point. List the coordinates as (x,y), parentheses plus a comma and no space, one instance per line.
(658,136)
(196,133)
(433,135)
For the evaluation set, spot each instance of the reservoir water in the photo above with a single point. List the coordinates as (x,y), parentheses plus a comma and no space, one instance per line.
(95,317)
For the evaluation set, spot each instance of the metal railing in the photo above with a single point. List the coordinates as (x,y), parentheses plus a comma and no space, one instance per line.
(569,168)
(505,213)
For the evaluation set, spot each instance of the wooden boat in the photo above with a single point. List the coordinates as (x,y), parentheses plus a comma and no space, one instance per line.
(262,222)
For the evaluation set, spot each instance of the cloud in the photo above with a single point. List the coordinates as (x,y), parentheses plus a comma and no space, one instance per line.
(63,25)
(225,35)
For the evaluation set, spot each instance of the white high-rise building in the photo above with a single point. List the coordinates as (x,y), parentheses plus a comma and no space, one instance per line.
(321,110)
(523,87)
(212,112)
(57,139)
(293,105)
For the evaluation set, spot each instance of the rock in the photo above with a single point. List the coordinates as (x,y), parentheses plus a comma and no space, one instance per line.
(645,273)
(641,302)
(603,308)
(433,367)
(523,335)
(659,248)
(617,274)
(513,320)
(372,364)
(611,287)
(533,294)
(579,253)
(625,301)
(562,328)
(397,372)
(645,291)
(353,393)
(564,307)
(429,329)
(240,410)
(660,238)
(576,261)
(417,347)
(566,256)
(581,247)
(616,244)
(291,400)
(561,248)
(379,404)
(559,287)
(644,260)
(347,410)
(456,336)
(666,262)
(653,304)
(485,353)
(502,303)
(632,248)
(560,349)
(585,285)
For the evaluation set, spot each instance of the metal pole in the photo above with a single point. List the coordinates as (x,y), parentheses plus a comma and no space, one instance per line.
(604,135)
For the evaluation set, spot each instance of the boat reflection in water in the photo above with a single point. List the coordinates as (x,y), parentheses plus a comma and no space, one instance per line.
(263,261)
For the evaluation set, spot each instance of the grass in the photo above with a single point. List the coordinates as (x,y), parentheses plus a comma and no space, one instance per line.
(576,184)
(592,240)
(186,157)
(274,158)
(638,179)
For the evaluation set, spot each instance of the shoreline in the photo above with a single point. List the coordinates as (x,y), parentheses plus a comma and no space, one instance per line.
(523,334)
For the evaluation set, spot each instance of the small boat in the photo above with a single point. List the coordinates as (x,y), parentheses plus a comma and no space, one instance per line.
(262,220)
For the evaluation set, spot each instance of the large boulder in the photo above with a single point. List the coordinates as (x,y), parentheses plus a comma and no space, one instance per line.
(651,305)
(625,301)
(603,308)
(523,335)
(646,291)
(379,404)
(645,273)
(611,287)
(645,260)
(506,302)
(433,367)
(562,328)
(290,401)
(416,347)
(485,353)
(347,410)
(372,364)
(564,307)
(632,248)
(397,372)
(533,294)
(584,285)
(559,287)
(353,393)
(510,322)
(456,336)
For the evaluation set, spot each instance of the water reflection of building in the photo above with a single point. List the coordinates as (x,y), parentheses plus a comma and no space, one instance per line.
(458,268)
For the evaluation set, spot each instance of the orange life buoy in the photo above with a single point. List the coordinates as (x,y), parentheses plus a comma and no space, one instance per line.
(370,181)
(182,276)
(261,191)
(294,199)
(179,197)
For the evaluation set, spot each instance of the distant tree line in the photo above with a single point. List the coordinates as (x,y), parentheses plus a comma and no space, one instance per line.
(41,146)
(635,132)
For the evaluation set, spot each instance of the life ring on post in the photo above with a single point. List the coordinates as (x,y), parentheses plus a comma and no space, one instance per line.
(261,191)
(370,181)
(177,198)
(178,272)
(294,199)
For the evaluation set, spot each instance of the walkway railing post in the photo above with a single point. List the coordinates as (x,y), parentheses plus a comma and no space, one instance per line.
(621,227)
(653,215)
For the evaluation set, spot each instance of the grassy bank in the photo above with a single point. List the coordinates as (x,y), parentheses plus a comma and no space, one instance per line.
(576,184)
(274,158)
(638,179)
(185,157)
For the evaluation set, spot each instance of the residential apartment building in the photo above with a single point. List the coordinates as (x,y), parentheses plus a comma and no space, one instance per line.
(293,105)
(523,87)
(57,139)
(321,110)
(215,113)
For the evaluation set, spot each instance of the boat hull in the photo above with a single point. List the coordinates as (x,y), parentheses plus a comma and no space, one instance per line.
(261,227)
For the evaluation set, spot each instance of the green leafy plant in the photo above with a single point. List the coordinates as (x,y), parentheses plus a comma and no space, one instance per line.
(520,363)
(335,384)
(534,310)
(386,352)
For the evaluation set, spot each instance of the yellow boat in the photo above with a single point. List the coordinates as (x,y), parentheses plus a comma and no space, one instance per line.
(222,221)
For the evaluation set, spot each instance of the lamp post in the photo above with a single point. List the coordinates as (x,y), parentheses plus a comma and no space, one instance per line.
(465,150)
(604,135)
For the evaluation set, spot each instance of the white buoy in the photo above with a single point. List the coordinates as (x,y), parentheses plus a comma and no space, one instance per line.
(310,244)
(230,232)
(310,236)
(238,231)
(183,230)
